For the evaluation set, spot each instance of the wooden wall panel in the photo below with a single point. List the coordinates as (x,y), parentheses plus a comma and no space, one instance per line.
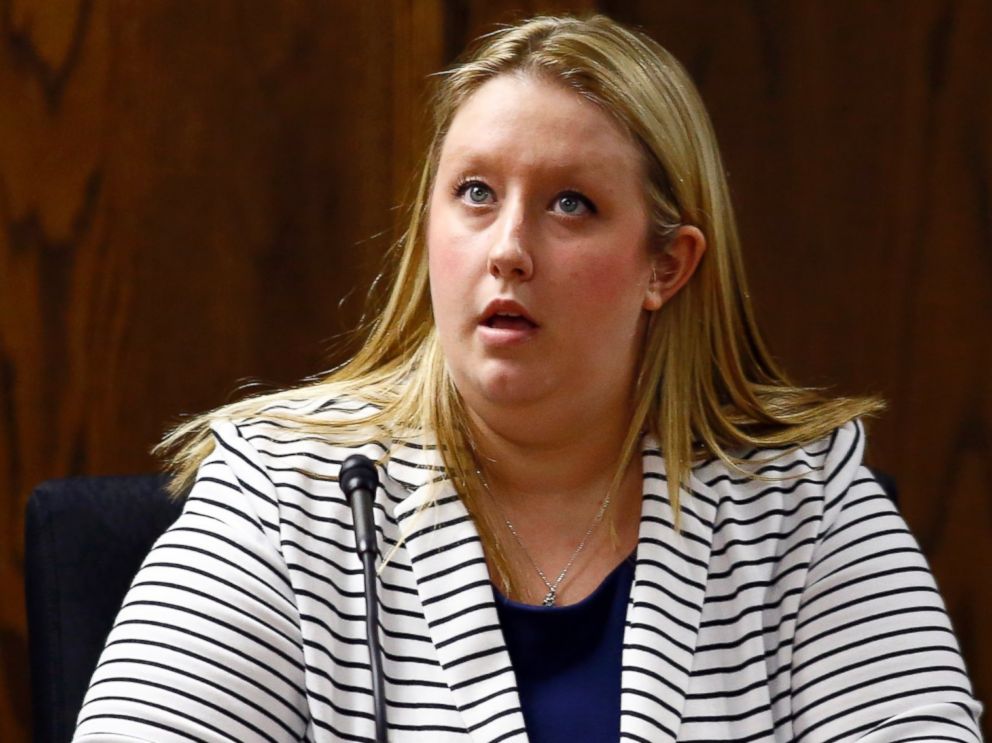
(188,190)
(858,139)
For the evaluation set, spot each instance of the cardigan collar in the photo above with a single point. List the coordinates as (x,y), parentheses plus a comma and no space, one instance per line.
(454,587)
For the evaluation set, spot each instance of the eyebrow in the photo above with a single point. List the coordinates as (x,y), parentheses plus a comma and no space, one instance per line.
(463,160)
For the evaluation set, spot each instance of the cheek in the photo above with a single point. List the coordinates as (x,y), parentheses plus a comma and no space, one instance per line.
(609,281)
(449,267)
(443,263)
(610,289)
(447,278)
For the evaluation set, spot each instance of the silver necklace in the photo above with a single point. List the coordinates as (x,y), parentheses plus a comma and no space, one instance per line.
(552,586)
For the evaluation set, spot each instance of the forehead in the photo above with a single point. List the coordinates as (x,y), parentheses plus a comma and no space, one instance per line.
(526,121)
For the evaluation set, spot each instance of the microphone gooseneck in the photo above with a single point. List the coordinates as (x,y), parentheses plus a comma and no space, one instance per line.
(358,479)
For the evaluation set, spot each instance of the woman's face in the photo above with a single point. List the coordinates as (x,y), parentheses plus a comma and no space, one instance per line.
(540,269)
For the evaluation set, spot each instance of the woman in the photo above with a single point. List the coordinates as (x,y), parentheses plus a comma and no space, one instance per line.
(604,511)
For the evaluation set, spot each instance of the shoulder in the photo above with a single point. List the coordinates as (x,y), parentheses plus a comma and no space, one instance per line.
(307,432)
(263,444)
(293,448)
(281,426)
(281,416)
(791,484)
(833,457)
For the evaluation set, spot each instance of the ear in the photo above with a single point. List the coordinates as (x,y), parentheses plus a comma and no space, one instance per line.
(674,265)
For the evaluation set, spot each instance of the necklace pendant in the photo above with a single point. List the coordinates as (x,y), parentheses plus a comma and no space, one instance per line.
(549,599)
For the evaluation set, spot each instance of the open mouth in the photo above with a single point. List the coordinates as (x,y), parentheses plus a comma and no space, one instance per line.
(508,321)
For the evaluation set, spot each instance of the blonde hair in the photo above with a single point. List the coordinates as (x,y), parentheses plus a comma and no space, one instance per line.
(706,384)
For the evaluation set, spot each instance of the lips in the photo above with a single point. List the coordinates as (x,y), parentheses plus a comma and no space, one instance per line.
(507,314)
(508,322)
(505,323)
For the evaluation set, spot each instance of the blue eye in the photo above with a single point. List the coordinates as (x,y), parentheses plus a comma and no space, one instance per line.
(477,192)
(574,204)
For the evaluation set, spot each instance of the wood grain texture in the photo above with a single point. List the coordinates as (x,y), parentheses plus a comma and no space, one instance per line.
(188,191)
(858,139)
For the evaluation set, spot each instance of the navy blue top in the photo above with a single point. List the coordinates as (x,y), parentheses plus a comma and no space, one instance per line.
(567,661)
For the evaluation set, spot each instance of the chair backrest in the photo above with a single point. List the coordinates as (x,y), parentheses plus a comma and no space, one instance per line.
(86,537)
(888,484)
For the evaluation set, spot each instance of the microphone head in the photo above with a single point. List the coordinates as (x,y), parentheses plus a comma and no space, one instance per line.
(358,473)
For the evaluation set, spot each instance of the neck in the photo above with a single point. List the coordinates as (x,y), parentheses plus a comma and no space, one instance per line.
(550,487)
(546,462)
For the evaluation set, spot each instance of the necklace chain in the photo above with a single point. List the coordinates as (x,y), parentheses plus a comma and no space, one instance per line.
(552,586)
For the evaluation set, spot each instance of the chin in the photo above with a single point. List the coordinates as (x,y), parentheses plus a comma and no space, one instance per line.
(507,387)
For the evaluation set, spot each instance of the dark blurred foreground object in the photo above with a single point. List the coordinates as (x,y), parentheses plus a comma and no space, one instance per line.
(86,537)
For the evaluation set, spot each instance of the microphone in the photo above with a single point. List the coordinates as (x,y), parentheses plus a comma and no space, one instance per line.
(359,480)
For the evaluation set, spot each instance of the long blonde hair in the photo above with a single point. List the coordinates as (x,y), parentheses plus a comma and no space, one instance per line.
(706,384)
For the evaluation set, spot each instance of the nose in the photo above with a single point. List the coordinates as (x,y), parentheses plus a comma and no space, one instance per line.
(510,256)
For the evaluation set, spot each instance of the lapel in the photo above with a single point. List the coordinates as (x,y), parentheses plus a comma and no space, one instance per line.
(666,602)
(457,599)
(455,592)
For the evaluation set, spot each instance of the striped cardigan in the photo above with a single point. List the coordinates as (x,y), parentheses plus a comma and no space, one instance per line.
(798,608)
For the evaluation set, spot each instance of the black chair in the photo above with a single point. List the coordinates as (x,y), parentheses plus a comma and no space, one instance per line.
(85,539)
(888,484)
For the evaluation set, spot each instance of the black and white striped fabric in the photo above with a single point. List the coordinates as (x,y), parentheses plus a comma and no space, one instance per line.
(794,609)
